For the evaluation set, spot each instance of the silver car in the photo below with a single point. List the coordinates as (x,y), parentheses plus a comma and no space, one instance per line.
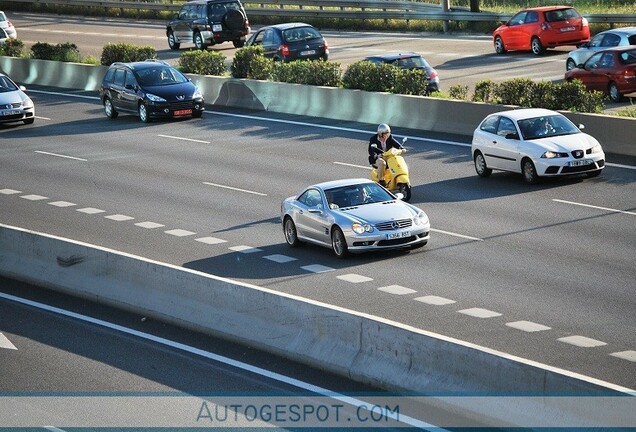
(15,105)
(622,36)
(7,26)
(353,215)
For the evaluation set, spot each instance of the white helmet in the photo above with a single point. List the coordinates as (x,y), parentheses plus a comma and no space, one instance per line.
(384,128)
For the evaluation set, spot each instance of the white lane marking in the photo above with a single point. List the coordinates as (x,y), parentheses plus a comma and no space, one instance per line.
(53,429)
(42,118)
(62,204)
(214,357)
(119,217)
(236,189)
(149,225)
(34,197)
(581,341)
(6,343)
(280,258)
(397,290)
(595,207)
(354,278)
(9,191)
(479,313)
(457,235)
(625,355)
(180,232)
(367,167)
(528,326)
(60,155)
(615,165)
(435,300)
(211,240)
(64,94)
(91,210)
(317,268)
(184,139)
(245,249)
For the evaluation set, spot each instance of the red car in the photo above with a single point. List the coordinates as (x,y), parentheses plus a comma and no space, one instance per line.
(543,27)
(612,71)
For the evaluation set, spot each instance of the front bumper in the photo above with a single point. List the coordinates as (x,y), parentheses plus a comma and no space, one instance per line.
(380,240)
(16,115)
(569,166)
(175,110)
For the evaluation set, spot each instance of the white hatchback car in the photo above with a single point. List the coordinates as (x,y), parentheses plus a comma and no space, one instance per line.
(7,26)
(535,142)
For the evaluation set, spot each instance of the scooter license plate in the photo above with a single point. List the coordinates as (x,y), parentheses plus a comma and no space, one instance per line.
(182,112)
(397,235)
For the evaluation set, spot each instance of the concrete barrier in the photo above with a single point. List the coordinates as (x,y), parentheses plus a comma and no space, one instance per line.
(366,348)
(616,134)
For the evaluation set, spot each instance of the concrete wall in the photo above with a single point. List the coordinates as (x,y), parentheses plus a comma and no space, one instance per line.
(365,348)
(616,134)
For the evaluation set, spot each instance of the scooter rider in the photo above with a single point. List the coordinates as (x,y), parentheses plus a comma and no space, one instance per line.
(383,141)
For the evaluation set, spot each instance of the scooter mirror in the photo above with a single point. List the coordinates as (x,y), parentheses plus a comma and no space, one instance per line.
(374,146)
(404,140)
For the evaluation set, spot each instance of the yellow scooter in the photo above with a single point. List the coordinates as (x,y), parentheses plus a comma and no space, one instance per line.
(396,174)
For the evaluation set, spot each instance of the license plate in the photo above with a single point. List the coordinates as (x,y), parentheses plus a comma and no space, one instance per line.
(8,113)
(398,235)
(309,52)
(217,27)
(183,112)
(580,162)
(567,29)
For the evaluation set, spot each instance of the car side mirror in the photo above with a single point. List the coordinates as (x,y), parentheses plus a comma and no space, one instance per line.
(581,126)
(404,140)
(513,136)
(375,146)
(23,88)
(399,195)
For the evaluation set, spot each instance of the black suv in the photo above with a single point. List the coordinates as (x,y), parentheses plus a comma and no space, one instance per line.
(151,89)
(208,22)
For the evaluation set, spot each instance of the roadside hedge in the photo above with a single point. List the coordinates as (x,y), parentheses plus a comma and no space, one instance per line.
(202,63)
(123,52)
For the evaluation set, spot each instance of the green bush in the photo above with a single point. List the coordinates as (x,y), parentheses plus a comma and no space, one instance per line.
(626,112)
(123,52)
(364,75)
(319,73)
(249,62)
(457,91)
(12,48)
(485,91)
(517,91)
(66,52)
(202,63)
(410,82)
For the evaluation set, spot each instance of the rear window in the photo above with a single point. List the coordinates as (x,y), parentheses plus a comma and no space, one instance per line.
(561,15)
(632,39)
(628,57)
(412,63)
(301,34)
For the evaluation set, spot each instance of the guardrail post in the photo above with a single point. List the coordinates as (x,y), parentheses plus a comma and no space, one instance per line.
(445,7)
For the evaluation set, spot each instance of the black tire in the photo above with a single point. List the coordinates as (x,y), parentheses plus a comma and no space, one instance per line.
(290,232)
(172,41)
(238,43)
(500,48)
(570,64)
(199,43)
(29,120)
(143,113)
(536,46)
(529,172)
(614,92)
(339,243)
(594,173)
(405,189)
(109,109)
(234,20)
(480,165)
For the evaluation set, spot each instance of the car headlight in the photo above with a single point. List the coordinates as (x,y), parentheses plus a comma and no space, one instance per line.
(359,228)
(154,98)
(552,155)
(421,218)
(197,94)
(597,148)
(27,103)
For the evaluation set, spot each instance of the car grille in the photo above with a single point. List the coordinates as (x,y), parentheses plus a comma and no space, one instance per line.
(11,117)
(578,154)
(181,105)
(11,105)
(578,169)
(395,242)
(393,225)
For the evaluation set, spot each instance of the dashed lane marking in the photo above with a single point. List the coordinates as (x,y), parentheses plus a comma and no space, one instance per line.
(91,210)
(354,278)
(184,139)
(235,189)
(62,204)
(245,249)
(280,258)
(34,197)
(528,326)
(119,217)
(479,313)
(149,225)
(317,268)
(397,290)
(6,343)
(595,207)
(180,232)
(435,300)
(211,240)
(9,191)
(457,235)
(581,341)
(625,355)
(61,156)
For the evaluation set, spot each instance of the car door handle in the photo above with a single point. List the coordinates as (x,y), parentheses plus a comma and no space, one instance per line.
(494,142)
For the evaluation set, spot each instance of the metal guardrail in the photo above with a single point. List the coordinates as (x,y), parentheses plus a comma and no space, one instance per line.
(347,9)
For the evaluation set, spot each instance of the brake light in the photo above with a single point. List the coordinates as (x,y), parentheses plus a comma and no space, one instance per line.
(432,74)
(247,23)
(284,50)
(630,74)
(584,22)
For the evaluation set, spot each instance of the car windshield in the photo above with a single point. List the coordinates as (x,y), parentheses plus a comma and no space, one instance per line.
(300,34)
(356,195)
(546,126)
(6,85)
(159,76)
